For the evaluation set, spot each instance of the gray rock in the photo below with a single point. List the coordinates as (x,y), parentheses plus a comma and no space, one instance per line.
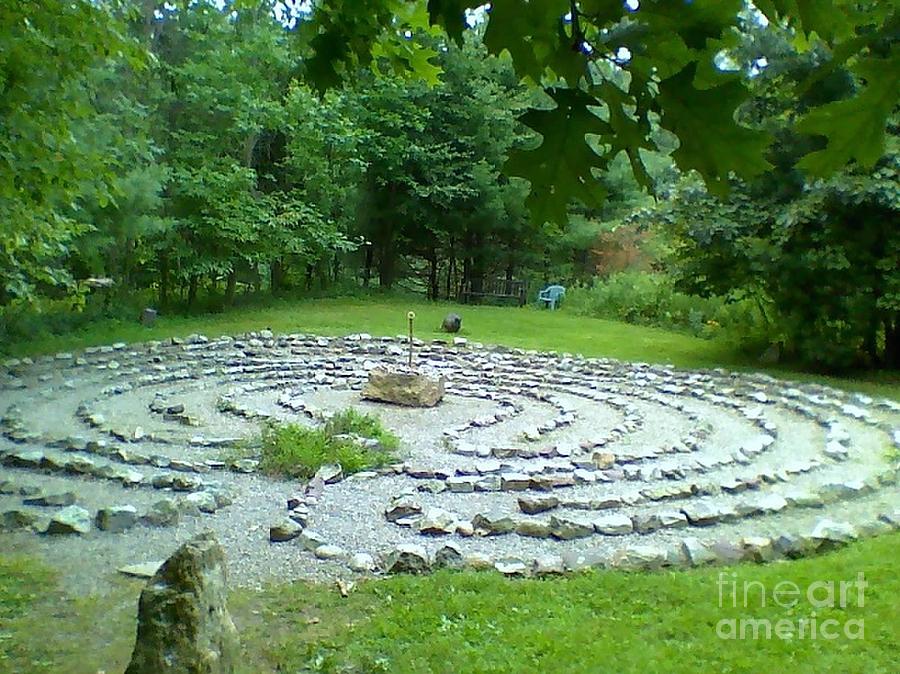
(330,552)
(283,531)
(493,524)
(183,619)
(532,505)
(117,519)
(514,481)
(696,552)
(639,557)
(56,500)
(412,389)
(533,529)
(401,508)
(362,562)
(828,534)
(669,519)
(141,570)
(449,557)
(311,540)
(461,485)
(451,323)
(163,513)
(407,558)
(613,524)
(548,565)
(70,520)
(758,548)
(330,473)
(566,528)
(204,501)
(11,520)
(511,567)
(702,513)
(437,521)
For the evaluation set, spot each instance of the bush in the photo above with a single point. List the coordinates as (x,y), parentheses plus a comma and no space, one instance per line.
(651,299)
(298,451)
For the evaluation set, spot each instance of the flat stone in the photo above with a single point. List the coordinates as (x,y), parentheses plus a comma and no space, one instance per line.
(565,528)
(670,519)
(639,557)
(407,558)
(437,521)
(511,567)
(56,500)
(532,505)
(461,485)
(12,520)
(514,481)
(613,524)
(492,524)
(330,473)
(533,529)
(286,530)
(311,540)
(696,552)
(117,519)
(141,570)
(829,534)
(548,565)
(362,562)
(603,460)
(163,513)
(758,548)
(330,552)
(401,508)
(204,501)
(70,520)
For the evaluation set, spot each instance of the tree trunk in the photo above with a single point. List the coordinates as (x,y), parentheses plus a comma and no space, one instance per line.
(276,276)
(192,292)
(163,281)
(892,343)
(433,288)
(230,287)
(367,269)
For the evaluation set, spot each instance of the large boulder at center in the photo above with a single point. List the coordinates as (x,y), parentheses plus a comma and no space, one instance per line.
(404,387)
(183,621)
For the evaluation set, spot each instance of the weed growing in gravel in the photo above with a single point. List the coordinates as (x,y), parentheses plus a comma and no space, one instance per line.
(352,422)
(293,450)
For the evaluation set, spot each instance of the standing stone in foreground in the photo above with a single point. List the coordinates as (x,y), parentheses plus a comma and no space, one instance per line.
(404,387)
(183,622)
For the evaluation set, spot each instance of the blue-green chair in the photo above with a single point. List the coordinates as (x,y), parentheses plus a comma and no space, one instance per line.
(551,296)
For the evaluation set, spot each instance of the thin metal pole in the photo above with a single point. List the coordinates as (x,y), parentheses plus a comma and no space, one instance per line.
(411,316)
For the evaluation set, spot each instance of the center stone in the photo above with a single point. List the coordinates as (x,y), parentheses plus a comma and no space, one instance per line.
(403,386)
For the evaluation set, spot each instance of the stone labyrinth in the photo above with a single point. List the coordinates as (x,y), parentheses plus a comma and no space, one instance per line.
(534,463)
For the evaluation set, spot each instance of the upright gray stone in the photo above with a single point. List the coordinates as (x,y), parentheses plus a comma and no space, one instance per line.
(70,520)
(117,519)
(451,323)
(183,620)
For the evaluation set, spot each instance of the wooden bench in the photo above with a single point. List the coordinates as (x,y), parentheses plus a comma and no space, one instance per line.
(496,289)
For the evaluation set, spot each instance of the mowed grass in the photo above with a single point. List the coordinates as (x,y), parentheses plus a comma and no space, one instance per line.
(597,621)
(526,327)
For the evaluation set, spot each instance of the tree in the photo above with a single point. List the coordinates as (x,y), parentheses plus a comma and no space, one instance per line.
(670,53)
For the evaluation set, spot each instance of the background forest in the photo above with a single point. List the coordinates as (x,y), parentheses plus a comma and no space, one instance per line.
(187,152)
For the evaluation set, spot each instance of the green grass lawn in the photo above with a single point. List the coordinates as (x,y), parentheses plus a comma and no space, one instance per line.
(601,621)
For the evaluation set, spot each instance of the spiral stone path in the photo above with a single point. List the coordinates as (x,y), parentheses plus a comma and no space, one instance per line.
(535,463)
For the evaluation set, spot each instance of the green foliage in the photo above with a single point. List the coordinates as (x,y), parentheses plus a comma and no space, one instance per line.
(297,451)
(352,422)
(652,299)
(673,73)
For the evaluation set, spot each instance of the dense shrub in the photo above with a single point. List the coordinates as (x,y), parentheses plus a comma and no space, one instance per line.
(651,299)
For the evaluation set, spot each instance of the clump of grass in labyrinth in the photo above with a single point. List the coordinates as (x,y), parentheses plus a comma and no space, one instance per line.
(297,451)
(352,422)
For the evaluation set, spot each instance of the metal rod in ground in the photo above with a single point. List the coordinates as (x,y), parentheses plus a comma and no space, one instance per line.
(411,316)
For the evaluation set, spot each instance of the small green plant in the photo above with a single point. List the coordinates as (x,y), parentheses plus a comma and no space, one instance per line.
(298,451)
(352,422)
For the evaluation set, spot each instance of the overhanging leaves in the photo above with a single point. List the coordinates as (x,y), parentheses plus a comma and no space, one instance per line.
(561,168)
